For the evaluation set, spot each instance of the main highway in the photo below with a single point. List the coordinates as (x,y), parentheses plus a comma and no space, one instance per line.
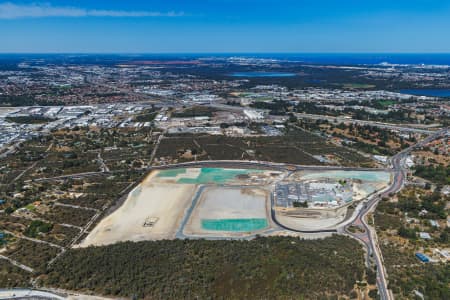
(369,236)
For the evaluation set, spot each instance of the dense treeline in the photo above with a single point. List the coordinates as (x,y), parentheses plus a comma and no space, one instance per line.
(437,174)
(29,119)
(276,267)
(12,276)
(195,111)
(431,280)
(23,100)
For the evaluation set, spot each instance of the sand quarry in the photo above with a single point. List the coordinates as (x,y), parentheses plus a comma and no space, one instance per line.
(211,203)
(156,208)
(230,211)
(163,203)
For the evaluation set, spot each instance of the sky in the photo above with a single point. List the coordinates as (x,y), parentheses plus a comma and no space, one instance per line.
(225,26)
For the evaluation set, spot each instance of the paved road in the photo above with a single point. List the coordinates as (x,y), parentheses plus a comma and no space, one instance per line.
(397,162)
(369,238)
(263,164)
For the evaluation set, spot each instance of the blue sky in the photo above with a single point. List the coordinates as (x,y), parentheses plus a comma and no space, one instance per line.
(225,26)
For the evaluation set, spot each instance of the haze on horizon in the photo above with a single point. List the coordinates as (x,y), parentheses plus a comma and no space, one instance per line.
(218,26)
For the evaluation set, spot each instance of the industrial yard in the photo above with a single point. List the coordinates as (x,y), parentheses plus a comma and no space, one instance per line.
(321,200)
(233,203)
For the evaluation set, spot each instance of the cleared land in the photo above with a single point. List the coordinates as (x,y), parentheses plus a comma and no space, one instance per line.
(229,211)
(218,202)
(160,206)
(163,204)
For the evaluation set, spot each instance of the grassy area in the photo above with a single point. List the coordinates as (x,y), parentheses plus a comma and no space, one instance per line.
(383,104)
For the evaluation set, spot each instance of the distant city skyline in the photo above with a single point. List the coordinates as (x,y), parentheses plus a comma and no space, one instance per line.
(225,26)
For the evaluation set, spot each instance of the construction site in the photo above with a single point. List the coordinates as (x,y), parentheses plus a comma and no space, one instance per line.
(233,203)
(323,200)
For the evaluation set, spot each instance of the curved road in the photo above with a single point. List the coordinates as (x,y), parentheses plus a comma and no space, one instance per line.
(369,237)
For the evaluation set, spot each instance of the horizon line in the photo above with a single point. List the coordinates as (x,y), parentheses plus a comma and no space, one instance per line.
(213,52)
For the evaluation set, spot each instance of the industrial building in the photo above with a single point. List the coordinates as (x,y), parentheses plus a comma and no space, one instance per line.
(315,193)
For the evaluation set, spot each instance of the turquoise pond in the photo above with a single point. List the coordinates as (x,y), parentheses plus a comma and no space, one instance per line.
(171,172)
(207,175)
(234,225)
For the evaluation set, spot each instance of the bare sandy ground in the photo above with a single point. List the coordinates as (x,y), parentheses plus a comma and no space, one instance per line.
(228,203)
(310,223)
(166,202)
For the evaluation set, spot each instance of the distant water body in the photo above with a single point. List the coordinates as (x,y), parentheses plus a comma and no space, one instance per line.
(262,74)
(362,58)
(311,58)
(428,92)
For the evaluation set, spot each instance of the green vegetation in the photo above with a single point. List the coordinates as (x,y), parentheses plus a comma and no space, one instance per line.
(436,174)
(409,233)
(147,116)
(358,86)
(29,119)
(296,146)
(398,224)
(36,227)
(382,104)
(32,254)
(12,276)
(365,138)
(300,204)
(195,111)
(59,153)
(69,215)
(276,267)
(431,280)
